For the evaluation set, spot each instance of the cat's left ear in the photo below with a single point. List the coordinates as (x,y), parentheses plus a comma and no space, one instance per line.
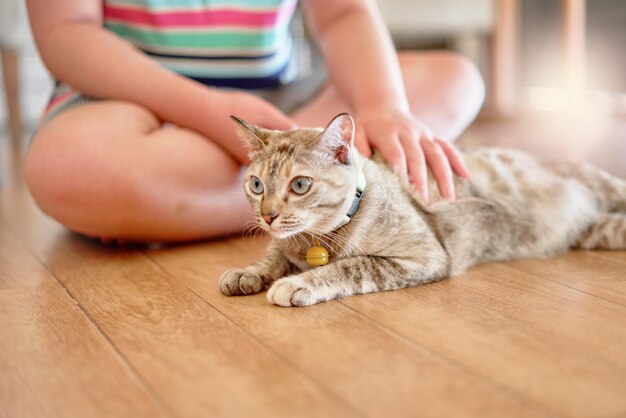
(253,136)
(338,137)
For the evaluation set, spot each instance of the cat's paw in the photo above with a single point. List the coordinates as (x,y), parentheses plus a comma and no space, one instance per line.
(291,291)
(240,282)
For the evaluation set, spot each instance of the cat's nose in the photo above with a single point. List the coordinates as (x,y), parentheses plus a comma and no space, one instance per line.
(269,217)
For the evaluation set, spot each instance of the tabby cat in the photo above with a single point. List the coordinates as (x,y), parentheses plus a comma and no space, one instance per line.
(312,188)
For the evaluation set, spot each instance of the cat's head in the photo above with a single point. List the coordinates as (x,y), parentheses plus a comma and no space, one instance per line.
(302,180)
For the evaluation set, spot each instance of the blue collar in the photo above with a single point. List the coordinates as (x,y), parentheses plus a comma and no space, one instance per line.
(356,203)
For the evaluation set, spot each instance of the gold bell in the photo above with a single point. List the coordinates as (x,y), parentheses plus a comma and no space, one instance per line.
(316,256)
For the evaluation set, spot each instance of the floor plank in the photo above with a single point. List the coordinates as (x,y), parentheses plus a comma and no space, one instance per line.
(147,332)
(617,256)
(593,324)
(519,331)
(18,268)
(343,350)
(601,274)
(54,361)
(196,359)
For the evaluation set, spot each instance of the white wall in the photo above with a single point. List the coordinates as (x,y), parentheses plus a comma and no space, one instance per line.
(35,83)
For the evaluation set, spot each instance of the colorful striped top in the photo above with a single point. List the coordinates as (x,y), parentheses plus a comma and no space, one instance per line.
(224,43)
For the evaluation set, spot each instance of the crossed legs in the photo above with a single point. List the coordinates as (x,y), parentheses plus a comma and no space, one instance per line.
(110,169)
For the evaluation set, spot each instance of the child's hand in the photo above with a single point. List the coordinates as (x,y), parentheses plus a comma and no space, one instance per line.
(246,106)
(256,110)
(408,145)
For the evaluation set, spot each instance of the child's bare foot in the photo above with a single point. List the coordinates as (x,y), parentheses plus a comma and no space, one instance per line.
(112,242)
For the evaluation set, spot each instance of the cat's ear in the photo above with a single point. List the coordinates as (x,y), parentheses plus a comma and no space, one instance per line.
(256,138)
(338,137)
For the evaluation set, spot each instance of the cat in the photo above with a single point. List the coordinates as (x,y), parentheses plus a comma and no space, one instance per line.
(312,188)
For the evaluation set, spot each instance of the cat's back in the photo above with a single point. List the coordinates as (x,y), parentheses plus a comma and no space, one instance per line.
(513,176)
(499,172)
(552,205)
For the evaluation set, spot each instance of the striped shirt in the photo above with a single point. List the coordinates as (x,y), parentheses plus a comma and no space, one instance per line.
(224,43)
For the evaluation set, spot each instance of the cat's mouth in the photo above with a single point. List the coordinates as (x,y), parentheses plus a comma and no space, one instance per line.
(288,231)
(290,227)
(284,231)
(282,234)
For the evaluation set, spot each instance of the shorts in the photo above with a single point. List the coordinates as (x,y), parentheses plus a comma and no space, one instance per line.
(287,97)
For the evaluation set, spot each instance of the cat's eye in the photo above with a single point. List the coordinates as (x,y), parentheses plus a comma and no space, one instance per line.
(256,185)
(301,185)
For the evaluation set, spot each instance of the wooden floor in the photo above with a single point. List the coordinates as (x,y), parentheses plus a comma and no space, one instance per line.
(90,331)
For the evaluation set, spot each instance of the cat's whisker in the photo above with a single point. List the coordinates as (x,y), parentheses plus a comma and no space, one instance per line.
(346,246)
(341,241)
(342,246)
(253,230)
(248,229)
(350,244)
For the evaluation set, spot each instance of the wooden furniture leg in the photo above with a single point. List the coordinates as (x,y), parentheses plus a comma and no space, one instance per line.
(573,37)
(10,71)
(503,81)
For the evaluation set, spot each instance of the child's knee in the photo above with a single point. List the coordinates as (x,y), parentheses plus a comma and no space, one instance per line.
(40,172)
(65,178)
(461,74)
(467,76)
(448,73)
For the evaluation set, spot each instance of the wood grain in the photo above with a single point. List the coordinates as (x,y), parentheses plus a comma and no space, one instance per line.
(89,330)
(601,274)
(342,349)
(196,359)
(557,347)
(54,361)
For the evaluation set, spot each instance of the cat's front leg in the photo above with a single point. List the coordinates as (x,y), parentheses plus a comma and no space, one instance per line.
(351,276)
(254,278)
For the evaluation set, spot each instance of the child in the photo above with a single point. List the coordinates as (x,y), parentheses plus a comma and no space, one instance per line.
(137,143)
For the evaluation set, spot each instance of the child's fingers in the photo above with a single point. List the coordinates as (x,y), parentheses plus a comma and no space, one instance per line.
(275,119)
(455,158)
(283,122)
(391,150)
(416,162)
(440,166)
(361,143)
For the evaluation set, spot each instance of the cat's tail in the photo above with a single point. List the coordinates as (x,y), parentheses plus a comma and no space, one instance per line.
(609,190)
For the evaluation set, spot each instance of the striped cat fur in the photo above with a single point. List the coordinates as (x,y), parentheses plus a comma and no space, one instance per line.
(514,207)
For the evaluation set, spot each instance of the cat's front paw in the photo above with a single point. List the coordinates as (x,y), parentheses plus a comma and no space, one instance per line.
(240,282)
(291,291)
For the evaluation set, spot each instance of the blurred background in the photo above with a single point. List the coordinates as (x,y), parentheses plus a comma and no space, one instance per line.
(554,71)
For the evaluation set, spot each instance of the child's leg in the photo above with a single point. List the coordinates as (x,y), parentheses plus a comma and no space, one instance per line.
(445,91)
(109,169)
